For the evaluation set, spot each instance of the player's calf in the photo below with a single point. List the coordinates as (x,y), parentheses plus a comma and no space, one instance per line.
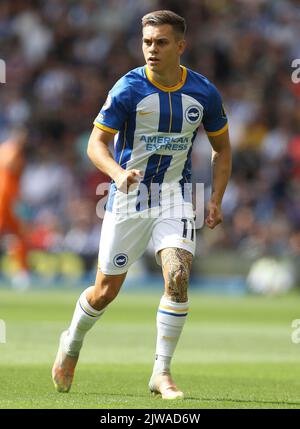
(105,290)
(99,298)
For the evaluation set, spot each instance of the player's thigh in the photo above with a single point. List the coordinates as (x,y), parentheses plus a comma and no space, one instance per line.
(122,242)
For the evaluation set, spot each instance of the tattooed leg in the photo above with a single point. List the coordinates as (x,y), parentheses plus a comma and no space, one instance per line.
(176,266)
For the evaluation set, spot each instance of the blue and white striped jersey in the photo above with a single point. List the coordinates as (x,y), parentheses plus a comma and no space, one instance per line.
(155,127)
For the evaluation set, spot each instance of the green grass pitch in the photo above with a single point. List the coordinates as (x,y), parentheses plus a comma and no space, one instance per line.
(235,352)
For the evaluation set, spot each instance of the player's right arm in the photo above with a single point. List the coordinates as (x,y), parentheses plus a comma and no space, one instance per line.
(99,153)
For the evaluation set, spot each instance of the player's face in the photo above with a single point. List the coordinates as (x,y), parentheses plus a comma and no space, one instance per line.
(162,48)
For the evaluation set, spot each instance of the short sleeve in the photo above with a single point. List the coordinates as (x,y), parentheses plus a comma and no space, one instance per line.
(114,113)
(215,121)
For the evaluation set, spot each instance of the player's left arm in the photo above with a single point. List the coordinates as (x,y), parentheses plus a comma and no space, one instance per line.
(221,171)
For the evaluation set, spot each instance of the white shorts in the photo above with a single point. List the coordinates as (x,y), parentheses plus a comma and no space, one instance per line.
(124,240)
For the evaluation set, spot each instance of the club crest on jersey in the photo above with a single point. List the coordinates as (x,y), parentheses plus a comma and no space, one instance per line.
(193,114)
(120,260)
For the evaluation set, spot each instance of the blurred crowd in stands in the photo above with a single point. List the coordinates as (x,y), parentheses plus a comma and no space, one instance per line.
(62,57)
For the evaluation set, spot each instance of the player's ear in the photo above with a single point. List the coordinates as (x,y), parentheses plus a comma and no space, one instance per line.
(181,46)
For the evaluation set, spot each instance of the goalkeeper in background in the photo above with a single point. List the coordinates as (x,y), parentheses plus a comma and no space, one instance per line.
(12,162)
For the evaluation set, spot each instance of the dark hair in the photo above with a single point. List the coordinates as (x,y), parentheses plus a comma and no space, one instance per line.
(160,17)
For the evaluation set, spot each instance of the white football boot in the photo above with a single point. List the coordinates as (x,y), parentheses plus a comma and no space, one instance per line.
(162,384)
(63,368)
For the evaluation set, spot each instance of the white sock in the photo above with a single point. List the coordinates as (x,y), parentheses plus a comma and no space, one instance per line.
(170,320)
(84,318)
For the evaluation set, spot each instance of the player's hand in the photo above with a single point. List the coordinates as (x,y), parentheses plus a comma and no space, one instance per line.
(215,215)
(128,180)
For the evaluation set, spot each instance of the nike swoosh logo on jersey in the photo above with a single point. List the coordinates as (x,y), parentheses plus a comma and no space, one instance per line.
(145,113)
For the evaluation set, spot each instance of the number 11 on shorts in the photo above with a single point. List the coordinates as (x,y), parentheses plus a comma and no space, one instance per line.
(188,226)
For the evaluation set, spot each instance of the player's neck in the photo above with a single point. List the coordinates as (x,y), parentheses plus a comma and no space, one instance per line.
(169,78)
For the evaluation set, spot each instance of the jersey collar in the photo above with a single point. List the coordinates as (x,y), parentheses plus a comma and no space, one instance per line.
(168,88)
